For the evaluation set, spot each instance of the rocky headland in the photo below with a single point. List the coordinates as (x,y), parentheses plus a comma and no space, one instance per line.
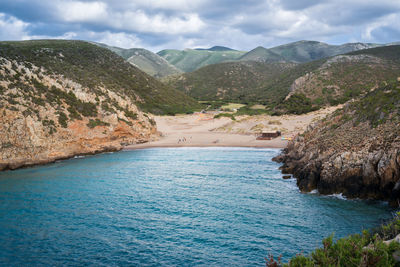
(59,99)
(354,151)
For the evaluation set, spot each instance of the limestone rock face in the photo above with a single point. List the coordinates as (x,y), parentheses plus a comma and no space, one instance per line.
(47,117)
(347,154)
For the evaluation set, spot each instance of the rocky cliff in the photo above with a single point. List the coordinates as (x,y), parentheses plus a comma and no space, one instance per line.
(49,117)
(59,99)
(355,151)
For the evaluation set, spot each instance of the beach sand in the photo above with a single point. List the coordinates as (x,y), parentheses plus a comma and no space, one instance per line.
(202,130)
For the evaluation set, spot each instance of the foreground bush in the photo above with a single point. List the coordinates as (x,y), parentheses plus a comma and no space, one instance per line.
(366,249)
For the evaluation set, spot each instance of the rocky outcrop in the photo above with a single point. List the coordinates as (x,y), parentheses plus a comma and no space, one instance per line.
(355,151)
(45,117)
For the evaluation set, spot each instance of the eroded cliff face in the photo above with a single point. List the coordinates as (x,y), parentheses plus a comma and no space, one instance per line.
(45,117)
(355,151)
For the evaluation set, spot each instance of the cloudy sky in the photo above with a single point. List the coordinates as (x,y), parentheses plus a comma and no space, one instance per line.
(240,24)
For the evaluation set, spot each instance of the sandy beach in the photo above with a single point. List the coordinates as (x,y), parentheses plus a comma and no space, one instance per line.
(202,130)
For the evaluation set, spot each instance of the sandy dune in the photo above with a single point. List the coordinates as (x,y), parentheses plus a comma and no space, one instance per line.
(200,130)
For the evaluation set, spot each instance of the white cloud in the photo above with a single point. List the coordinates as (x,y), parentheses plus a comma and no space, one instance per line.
(12,28)
(141,22)
(76,11)
(120,39)
(158,24)
(180,5)
(133,20)
(67,35)
(392,20)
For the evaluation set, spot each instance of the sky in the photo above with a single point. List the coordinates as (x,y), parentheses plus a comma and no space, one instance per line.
(179,24)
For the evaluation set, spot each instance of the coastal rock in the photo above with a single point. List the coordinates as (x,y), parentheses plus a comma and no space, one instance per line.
(359,160)
(39,131)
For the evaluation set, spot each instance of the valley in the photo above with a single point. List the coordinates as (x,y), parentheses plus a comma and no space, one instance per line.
(331,114)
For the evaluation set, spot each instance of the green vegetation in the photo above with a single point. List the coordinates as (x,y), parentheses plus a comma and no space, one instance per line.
(391,53)
(63,119)
(96,122)
(145,60)
(379,105)
(227,115)
(297,104)
(306,51)
(231,106)
(243,82)
(95,67)
(261,54)
(192,59)
(323,82)
(302,51)
(213,104)
(249,110)
(366,249)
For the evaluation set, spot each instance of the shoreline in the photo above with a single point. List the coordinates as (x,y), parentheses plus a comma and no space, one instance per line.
(210,139)
(147,146)
(203,130)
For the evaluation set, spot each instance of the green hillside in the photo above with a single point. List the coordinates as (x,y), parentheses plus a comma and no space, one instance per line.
(261,54)
(151,63)
(96,68)
(290,87)
(192,59)
(243,82)
(217,48)
(342,78)
(145,60)
(304,51)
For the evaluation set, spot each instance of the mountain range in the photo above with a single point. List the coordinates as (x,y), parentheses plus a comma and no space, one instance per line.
(293,87)
(171,62)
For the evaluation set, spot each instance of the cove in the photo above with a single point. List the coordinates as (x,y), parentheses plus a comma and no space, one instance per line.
(169,206)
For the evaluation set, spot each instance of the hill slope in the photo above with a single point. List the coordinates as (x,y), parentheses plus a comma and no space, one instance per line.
(151,63)
(261,54)
(302,51)
(192,59)
(96,67)
(305,51)
(145,60)
(342,78)
(290,87)
(64,98)
(236,81)
(356,151)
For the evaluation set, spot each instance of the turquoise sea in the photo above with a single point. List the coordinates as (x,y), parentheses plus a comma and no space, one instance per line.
(168,207)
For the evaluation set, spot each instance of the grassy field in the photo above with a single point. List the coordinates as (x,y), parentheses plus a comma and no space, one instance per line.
(232,106)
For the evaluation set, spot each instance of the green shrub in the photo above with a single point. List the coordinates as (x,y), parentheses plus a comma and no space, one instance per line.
(366,249)
(130,114)
(63,119)
(228,115)
(246,110)
(298,104)
(96,122)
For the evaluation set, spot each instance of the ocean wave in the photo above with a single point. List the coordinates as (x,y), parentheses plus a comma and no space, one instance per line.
(338,196)
(314,192)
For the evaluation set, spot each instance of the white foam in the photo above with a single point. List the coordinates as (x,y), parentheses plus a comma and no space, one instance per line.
(338,196)
(314,192)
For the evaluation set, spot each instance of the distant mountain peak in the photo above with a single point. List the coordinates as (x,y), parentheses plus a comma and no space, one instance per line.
(216,48)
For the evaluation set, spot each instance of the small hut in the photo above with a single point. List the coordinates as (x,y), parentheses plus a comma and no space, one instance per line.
(268,135)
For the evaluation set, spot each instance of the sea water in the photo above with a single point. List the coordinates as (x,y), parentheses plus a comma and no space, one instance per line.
(168,207)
